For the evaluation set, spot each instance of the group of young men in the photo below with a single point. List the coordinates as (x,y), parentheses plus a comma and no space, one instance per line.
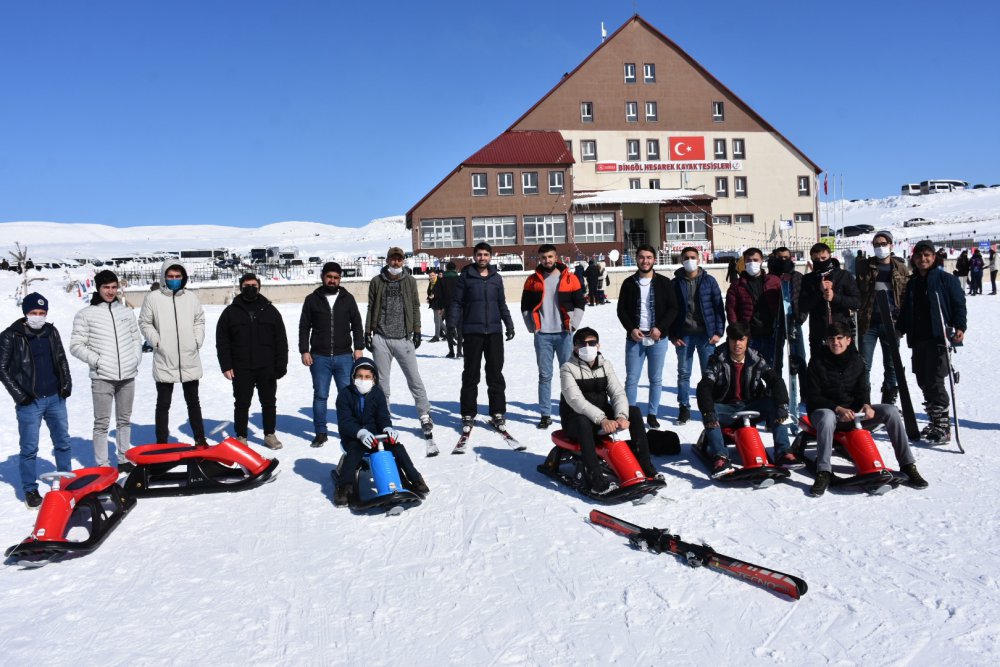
(687,312)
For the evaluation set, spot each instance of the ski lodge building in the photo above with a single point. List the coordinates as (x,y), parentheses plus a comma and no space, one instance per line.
(638,144)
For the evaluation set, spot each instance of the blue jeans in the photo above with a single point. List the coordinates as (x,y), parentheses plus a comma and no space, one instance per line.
(878,334)
(29,421)
(547,344)
(724,412)
(692,343)
(764,345)
(653,355)
(323,369)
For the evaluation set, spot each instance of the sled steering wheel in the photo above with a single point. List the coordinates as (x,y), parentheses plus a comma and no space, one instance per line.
(746,416)
(54,479)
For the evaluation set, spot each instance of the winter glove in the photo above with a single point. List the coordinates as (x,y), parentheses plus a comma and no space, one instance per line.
(510,334)
(366,438)
(392,433)
(416,339)
(369,345)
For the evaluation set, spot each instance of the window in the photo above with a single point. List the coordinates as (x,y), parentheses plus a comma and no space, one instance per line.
(505,183)
(594,227)
(721,186)
(479,188)
(651,111)
(803,186)
(722,220)
(632,112)
(720,149)
(686,226)
(442,233)
(745,219)
(586,112)
(556,183)
(632,148)
(739,186)
(634,183)
(588,150)
(629,72)
(529,182)
(654,184)
(540,229)
(739,149)
(803,217)
(718,112)
(652,149)
(497,230)
(649,73)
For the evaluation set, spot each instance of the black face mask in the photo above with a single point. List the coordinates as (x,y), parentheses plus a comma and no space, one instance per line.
(822,266)
(779,266)
(249,292)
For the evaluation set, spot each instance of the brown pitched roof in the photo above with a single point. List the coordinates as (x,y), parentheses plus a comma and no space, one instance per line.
(529,147)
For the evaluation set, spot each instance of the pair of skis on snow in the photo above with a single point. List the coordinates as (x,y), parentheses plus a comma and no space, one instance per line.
(512,442)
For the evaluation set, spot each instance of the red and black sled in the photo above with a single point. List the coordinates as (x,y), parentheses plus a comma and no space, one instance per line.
(872,476)
(181,470)
(565,464)
(757,469)
(89,498)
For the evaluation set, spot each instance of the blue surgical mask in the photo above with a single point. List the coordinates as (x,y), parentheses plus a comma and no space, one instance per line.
(174,284)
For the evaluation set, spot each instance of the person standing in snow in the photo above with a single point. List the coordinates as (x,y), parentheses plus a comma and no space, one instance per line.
(829,294)
(106,337)
(35,372)
(173,322)
(755,300)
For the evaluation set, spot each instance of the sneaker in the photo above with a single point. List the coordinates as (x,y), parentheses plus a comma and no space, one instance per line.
(467,423)
(434,340)
(420,486)
(821,484)
(242,439)
(889,395)
(319,440)
(342,495)
(599,483)
(426,425)
(450,355)
(544,422)
(126,466)
(652,421)
(786,459)
(720,466)
(459,355)
(32,499)
(498,422)
(916,479)
(271,441)
(683,415)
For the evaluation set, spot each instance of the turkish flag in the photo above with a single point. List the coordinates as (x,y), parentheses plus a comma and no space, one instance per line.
(687,148)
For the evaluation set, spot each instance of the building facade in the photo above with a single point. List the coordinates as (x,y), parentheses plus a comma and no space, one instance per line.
(638,144)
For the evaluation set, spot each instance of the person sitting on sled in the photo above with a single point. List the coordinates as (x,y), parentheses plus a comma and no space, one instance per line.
(739,379)
(593,399)
(363,412)
(836,389)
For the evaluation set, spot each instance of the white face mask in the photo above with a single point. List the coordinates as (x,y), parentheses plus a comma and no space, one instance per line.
(753,268)
(690,265)
(364,386)
(36,321)
(587,353)
(395,270)
(882,252)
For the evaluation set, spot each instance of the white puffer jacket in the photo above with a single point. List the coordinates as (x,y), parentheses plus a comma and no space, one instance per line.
(174,324)
(106,338)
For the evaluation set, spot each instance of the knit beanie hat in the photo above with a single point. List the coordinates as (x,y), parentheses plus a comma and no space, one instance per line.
(34,301)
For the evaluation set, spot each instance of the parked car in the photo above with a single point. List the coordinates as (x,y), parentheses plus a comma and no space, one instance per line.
(917,222)
(856,230)
(978,186)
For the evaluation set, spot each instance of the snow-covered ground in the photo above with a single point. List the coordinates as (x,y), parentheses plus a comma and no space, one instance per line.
(499,566)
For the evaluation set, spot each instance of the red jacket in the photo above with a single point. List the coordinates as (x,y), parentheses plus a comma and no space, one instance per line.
(569,297)
(740,304)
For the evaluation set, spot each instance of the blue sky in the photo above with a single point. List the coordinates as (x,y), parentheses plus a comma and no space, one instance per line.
(246,113)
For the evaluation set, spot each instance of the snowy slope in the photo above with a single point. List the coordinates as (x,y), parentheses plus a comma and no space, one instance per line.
(499,566)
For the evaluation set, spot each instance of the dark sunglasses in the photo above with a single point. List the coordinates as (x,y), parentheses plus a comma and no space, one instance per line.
(588,343)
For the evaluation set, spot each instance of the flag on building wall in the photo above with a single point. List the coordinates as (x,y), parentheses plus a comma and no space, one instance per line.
(687,148)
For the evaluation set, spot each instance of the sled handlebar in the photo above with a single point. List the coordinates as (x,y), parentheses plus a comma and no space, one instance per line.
(54,479)
(746,416)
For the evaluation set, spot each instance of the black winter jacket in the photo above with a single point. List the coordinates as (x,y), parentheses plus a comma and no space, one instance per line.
(837,380)
(664,303)
(17,367)
(251,335)
(479,305)
(758,380)
(845,299)
(330,333)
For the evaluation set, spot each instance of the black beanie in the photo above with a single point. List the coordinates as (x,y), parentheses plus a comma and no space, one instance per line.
(331,267)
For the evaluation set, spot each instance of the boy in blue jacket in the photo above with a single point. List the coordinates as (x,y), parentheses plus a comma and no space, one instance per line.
(363,412)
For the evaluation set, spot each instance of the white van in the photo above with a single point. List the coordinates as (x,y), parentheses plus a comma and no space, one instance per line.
(941,185)
(910,189)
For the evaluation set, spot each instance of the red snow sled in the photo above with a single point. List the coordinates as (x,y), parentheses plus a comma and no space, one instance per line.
(76,497)
(227,466)
(617,460)
(872,475)
(757,469)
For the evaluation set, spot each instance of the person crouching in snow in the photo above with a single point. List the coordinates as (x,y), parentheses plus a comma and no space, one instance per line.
(363,412)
